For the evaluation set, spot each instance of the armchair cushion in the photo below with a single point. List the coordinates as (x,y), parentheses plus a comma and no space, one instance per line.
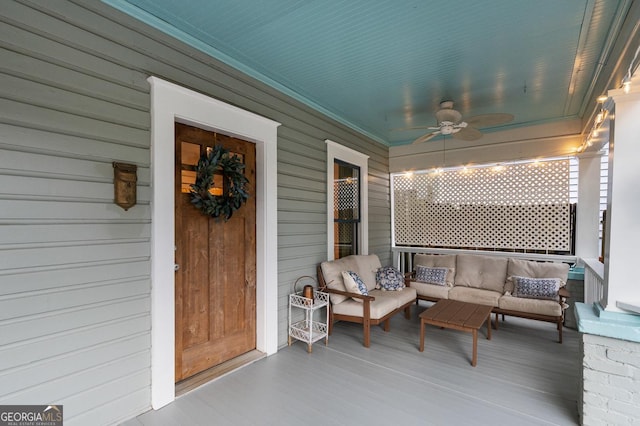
(384,303)
(366,267)
(332,273)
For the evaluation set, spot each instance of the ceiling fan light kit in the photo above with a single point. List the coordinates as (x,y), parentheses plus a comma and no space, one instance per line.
(450,123)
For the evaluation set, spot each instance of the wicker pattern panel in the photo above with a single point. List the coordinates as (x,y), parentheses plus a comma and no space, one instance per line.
(520,206)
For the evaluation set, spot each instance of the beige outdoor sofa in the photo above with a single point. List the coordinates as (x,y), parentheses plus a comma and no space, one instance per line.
(489,280)
(376,308)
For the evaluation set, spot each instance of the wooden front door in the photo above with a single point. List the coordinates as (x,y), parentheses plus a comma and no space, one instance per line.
(216,276)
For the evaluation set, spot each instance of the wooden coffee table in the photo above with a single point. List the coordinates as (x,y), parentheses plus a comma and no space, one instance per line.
(457,315)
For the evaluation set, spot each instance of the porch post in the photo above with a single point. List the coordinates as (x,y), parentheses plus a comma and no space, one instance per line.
(623,203)
(610,342)
(588,211)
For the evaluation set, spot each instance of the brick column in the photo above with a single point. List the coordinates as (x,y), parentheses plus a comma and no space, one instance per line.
(611,381)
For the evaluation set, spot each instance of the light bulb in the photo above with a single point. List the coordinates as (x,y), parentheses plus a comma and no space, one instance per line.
(626,84)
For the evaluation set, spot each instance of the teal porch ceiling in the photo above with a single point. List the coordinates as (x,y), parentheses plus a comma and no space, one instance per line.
(383,65)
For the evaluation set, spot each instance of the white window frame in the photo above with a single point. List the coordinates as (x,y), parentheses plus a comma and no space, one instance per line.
(335,151)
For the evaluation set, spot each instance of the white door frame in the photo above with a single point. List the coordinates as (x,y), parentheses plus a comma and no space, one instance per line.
(171,103)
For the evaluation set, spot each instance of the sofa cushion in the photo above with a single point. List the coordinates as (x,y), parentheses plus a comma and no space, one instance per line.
(484,272)
(475,295)
(386,302)
(389,278)
(532,269)
(431,290)
(536,288)
(532,306)
(353,283)
(366,267)
(429,275)
(438,260)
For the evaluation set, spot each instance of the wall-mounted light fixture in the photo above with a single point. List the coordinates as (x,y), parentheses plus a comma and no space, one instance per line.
(125,180)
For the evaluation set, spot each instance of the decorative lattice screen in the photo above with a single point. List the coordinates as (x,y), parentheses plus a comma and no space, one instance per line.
(523,206)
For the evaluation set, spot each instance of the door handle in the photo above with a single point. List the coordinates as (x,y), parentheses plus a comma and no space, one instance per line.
(176,267)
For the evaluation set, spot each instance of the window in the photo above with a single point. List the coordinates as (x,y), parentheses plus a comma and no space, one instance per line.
(346,208)
(347,202)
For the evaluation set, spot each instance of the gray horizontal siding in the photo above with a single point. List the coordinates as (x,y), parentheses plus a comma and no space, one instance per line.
(44,95)
(71,233)
(74,309)
(41,166)
(75,268)
(60,145)
(67,211)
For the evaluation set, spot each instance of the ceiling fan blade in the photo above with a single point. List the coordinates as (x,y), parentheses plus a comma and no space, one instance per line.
(402,129)
(487,120)
(426,137)
(468,134)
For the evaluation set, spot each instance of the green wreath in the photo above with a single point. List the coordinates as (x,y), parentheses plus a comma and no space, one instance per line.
(234,185)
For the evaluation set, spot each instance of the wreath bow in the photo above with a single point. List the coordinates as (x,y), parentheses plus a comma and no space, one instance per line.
(234,183)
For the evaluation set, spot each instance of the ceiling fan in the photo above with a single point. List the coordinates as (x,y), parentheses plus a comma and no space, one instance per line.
(450,123)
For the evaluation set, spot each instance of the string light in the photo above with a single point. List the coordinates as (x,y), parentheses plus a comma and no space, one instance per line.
(626,84)
(470,168)
(626,81)
(598,122)
(602,115)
